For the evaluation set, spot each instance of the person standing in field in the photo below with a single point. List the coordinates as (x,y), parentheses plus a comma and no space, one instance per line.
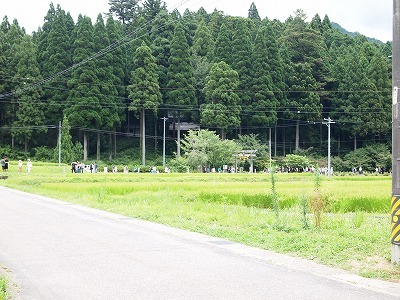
(29,165)
(73,166)
(6,164)
(20,166)
(3,164)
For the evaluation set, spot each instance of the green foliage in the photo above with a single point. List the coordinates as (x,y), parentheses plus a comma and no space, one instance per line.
(45,154)
(74,153)
(179,165)
(241,60)
(274,195)
(260,108)
(77,151)
(84,107)
(144,92)
(55,55)
(151,8)
(358,219)
(124,10)
(11,153)
(359,204)
(180,85)
(294,161)
(4,295)
(205,148)
(161,36)
(29,115)
(317,200)
(203,43)
(253,12)
(104,70)
(369,158)
(287,73)
(252,142)
(304,211)
(222,109)
(67,147)
(339,164)
(223,45)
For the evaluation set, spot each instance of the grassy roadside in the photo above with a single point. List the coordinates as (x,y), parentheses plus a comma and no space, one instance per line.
(4,295)
(354,231)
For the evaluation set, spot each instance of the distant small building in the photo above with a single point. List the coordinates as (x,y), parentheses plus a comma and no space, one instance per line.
(185,126)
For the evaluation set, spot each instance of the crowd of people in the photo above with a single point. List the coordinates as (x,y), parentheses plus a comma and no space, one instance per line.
(5,165)
(80,167)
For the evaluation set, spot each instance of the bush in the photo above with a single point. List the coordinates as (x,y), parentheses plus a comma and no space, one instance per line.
(294,161)
(12,153)
(45,154)
(339,164)
(369,158)
(179,165)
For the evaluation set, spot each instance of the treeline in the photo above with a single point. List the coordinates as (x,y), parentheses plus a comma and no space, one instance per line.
(124,72)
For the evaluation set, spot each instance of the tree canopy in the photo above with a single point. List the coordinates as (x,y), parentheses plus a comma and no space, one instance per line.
(210,70)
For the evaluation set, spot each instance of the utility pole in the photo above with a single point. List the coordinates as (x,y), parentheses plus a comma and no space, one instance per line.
(270,150)
(328,123)
(395,211)
(59,143)
(164,119)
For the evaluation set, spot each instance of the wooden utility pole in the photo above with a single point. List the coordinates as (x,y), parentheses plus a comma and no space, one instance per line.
(395,211)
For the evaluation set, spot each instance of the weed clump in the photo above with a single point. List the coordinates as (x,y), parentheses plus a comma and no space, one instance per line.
(317,202)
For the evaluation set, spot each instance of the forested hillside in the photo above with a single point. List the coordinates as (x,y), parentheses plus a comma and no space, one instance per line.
(116,77)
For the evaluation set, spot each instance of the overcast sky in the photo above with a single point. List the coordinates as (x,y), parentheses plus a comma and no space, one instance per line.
(372,18)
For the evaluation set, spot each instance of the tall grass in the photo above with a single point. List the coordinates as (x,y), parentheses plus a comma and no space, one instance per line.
(345,194)
(240,207)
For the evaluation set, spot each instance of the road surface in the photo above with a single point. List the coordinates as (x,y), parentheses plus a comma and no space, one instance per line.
(57,250)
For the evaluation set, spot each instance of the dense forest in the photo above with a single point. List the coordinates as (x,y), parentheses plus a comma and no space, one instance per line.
(115,79)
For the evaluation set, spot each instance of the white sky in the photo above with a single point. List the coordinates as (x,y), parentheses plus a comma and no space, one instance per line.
(372,18)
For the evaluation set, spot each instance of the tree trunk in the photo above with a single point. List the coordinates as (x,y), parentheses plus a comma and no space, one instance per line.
(283,142)
(178,150)
(12,142)
(155,135)
(26,144)
(129,121)
(355,142)
(85,146)
(297,135)
(110,143)
(275,132)
(174,127)
(223,134)
(143,135)
(270,147)
(115,141)
(98,146)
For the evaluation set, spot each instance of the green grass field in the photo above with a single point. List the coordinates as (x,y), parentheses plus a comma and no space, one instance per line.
(354,232)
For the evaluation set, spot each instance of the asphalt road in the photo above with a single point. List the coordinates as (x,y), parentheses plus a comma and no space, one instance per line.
(57,250)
